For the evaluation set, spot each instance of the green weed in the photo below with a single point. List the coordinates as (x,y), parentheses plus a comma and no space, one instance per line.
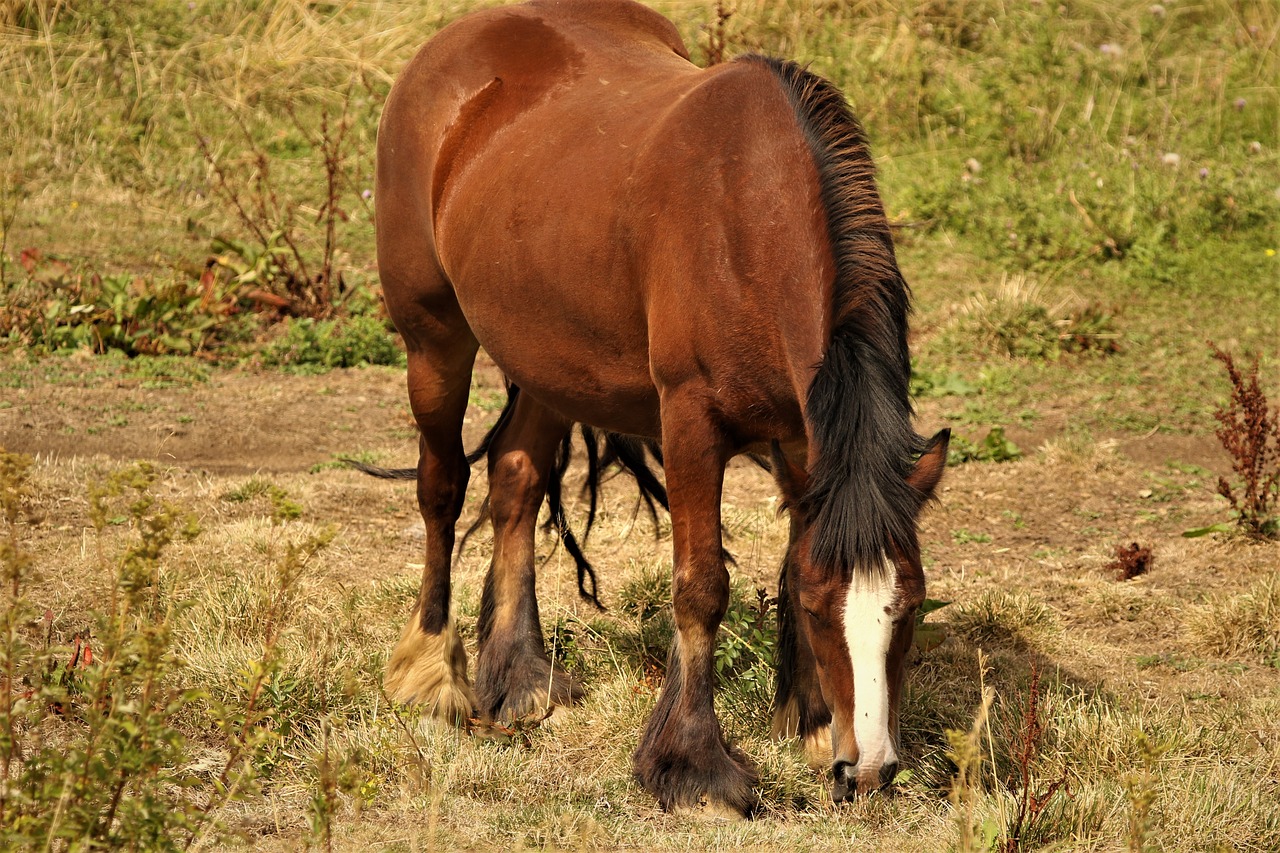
(963,537)
(314,346)
(928,635)
(53,309)
(995,447)
(748,636)
(90,751)
(744,650)
(926,384)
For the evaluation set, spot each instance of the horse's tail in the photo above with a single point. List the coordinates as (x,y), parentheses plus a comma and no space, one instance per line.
(604,451)
(380,473)
(607,454)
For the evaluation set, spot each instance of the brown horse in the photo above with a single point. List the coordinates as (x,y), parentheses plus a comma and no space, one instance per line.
(698,256)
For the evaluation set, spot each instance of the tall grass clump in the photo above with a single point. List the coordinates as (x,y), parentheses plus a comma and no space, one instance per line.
(1001,618)
(105,736)
(1017,321)
(90,752)
(1243,627)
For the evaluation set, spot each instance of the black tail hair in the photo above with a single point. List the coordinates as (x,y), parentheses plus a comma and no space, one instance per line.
(628,453)
(606,452)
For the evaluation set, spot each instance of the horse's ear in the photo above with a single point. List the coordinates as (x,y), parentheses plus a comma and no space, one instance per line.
(928,471)
(793,481)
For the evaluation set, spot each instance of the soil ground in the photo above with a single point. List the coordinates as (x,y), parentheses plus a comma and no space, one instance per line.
(245,421)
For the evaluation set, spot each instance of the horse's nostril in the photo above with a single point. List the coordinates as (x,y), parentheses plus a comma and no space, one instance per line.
(888,772)
(844,787)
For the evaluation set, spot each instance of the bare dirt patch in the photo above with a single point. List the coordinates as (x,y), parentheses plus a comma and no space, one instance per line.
(236,421)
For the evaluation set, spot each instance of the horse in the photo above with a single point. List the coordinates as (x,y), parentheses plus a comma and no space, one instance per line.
(694,258)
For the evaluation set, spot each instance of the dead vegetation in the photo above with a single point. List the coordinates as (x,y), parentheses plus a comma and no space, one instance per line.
(1249,429)
(1130,561)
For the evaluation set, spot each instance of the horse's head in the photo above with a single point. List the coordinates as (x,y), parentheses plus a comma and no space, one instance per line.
(859,623)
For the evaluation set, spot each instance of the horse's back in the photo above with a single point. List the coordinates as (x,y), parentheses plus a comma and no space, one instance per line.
(527,51)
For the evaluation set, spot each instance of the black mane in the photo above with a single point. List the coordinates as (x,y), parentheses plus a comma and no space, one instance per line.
(858,407)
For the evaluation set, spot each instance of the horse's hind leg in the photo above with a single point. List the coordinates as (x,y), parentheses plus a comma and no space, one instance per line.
(428,666)
(514,676)
(682,758)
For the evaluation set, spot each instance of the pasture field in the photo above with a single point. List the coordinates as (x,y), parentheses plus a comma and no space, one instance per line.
(1086,193)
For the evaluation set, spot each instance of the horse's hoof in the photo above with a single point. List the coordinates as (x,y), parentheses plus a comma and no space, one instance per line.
(710,809)
(524,687)
(817,748)
(431,671)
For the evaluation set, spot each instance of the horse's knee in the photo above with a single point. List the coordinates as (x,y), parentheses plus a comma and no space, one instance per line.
(441,493)
(700,598)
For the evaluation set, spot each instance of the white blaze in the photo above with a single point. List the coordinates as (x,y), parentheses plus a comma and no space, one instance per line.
(867,631)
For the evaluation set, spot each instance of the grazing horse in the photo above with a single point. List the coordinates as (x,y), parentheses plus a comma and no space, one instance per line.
(697,257)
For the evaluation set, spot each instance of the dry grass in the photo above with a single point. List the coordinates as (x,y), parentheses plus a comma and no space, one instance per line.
(1240,627)
(569,783)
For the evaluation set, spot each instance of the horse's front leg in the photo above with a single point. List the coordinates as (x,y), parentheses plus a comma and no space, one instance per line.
(682,758)
(799,709)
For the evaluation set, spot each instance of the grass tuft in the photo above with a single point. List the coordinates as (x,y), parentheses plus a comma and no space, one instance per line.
(1241,627)
(1018,322)
(1002,619)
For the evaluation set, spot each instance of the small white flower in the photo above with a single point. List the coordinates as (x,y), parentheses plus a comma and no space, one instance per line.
(1171,159)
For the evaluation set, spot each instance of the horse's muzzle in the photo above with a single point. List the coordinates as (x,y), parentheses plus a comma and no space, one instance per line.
(850,782)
